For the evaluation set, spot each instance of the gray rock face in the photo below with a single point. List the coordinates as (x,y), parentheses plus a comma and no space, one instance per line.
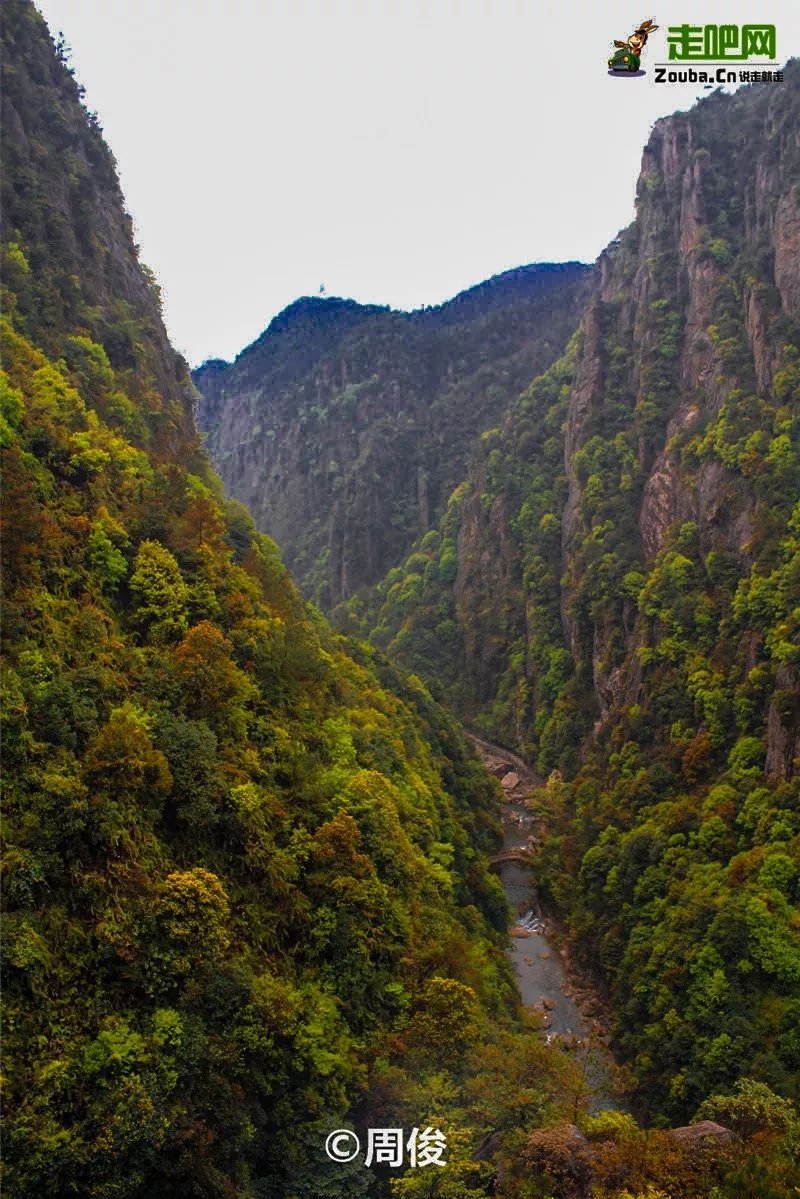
(783,726)
(674,208)
(676,205)
(682,322)
(345,427)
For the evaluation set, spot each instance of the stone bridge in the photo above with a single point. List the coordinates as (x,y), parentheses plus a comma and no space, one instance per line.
(524,856)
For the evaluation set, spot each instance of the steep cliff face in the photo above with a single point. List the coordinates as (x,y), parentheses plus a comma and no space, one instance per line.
(344,428)
(70,266)
(681,380)
(700,302)
(616,589)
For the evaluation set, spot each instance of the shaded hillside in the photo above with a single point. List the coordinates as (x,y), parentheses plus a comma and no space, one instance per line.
(345,427)
(614,588)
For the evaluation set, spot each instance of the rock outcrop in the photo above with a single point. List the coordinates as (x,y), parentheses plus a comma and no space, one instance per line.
(704,1132)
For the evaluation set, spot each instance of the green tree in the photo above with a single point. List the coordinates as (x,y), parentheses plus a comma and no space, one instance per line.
(160,592)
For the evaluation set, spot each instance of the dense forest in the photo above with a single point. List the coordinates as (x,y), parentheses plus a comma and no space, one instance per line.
(246,885)
(241,863)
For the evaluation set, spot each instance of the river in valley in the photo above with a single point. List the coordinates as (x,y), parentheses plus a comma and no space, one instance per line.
(537,963)
(565,1003)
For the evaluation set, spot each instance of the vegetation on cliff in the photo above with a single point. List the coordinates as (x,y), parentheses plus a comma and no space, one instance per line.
(245,892)
(238,859)
(615,589)
(345,427)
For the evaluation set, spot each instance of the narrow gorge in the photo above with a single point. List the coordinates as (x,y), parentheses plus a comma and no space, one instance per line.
(263,846)
(612,589)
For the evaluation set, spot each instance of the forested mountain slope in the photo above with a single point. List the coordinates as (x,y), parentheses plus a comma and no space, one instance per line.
(345,427)
(80,268)
(238,859)
(615,588)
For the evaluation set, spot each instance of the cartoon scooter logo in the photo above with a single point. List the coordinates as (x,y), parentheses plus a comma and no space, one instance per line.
(628,54)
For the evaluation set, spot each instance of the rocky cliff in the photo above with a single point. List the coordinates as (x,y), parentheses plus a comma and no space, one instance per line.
(70,266)
(345,427)
(615,588)
(671,417)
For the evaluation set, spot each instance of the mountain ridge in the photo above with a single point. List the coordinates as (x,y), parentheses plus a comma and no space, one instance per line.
(453,308)
(375,416)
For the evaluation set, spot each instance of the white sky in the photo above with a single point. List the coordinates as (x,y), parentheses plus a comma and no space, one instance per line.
(396,151)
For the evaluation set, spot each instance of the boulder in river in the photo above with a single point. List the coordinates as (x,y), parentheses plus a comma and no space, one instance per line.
(519,931)
(547,1003)
(509,781)
(566,1039)
(545,954)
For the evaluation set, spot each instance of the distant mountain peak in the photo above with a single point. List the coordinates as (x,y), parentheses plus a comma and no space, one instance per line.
(345,426)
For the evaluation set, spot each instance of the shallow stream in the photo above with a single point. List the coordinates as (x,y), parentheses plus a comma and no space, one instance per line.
(539,966)
(537,963)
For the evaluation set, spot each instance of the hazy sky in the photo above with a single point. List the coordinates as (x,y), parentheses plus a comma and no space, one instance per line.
(395,151)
